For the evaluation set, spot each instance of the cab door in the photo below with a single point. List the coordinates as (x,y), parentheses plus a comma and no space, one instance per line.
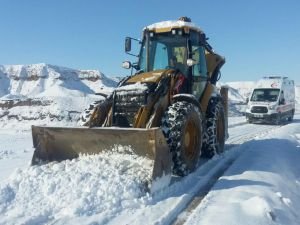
(199,69)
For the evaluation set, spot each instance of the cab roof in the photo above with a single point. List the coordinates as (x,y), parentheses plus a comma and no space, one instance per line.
(167,26)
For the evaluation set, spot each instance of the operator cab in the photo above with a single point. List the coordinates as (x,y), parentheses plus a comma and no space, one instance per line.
(178,45)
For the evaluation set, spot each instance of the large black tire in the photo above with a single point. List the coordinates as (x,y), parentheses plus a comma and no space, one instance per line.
(95,114)
(291,116)
(182,127)
(87,113)
(214,137)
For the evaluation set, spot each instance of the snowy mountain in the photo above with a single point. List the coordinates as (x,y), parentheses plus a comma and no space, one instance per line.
(48,93)
(39,80)
(243,88)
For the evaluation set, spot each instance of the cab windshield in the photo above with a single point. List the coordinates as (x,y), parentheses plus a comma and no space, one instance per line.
(165,51)
(268,95)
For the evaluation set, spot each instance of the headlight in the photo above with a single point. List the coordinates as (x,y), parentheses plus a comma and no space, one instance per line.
(272,107)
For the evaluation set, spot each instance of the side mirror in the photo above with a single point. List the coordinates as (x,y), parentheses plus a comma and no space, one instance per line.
(282,101)
(191,62)
(247,100)
(127,44)
(203,37)
(126,65)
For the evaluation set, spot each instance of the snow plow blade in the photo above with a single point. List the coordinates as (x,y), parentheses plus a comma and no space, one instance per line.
(62,143)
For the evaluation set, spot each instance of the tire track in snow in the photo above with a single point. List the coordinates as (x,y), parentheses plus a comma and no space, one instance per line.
(248,132)
(218,171)
(240,135)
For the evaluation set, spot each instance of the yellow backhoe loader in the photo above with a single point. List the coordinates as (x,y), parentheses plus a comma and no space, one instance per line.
(169,110)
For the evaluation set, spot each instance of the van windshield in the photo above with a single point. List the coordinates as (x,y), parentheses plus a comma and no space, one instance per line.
(265,95)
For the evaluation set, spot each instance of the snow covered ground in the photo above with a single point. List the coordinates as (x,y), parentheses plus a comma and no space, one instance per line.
(260,187)
(256,181)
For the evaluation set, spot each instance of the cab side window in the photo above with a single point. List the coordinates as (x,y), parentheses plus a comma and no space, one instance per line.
(199,57)
(161,56)
(179,53)
(199,69)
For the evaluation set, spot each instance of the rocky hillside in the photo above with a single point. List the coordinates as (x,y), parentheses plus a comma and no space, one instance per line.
(48,94)
(43,80)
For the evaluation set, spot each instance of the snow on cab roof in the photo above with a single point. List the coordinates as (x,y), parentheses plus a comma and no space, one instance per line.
(170,24)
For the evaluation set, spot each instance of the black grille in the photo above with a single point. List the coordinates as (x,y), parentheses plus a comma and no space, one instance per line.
(126,105)
(259,109)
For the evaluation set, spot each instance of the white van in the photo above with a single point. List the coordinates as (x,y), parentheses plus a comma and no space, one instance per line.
(272,100)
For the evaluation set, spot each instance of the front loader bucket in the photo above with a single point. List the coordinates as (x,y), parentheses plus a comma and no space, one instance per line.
(61,143)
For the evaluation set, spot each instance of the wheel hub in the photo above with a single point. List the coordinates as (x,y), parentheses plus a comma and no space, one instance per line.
(190,140)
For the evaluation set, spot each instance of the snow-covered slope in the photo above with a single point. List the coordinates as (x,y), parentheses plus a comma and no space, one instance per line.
(243,88)
(48,93)
(40,80)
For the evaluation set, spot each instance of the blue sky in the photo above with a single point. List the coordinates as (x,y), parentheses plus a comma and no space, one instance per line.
(257,37)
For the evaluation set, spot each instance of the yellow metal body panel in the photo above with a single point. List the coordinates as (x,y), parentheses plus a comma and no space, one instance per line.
(153,76)
(213,60)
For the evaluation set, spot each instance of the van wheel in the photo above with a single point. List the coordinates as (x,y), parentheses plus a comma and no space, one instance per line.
(214,139)
(278,119)
(249,120)
(290,118)
(182,127)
